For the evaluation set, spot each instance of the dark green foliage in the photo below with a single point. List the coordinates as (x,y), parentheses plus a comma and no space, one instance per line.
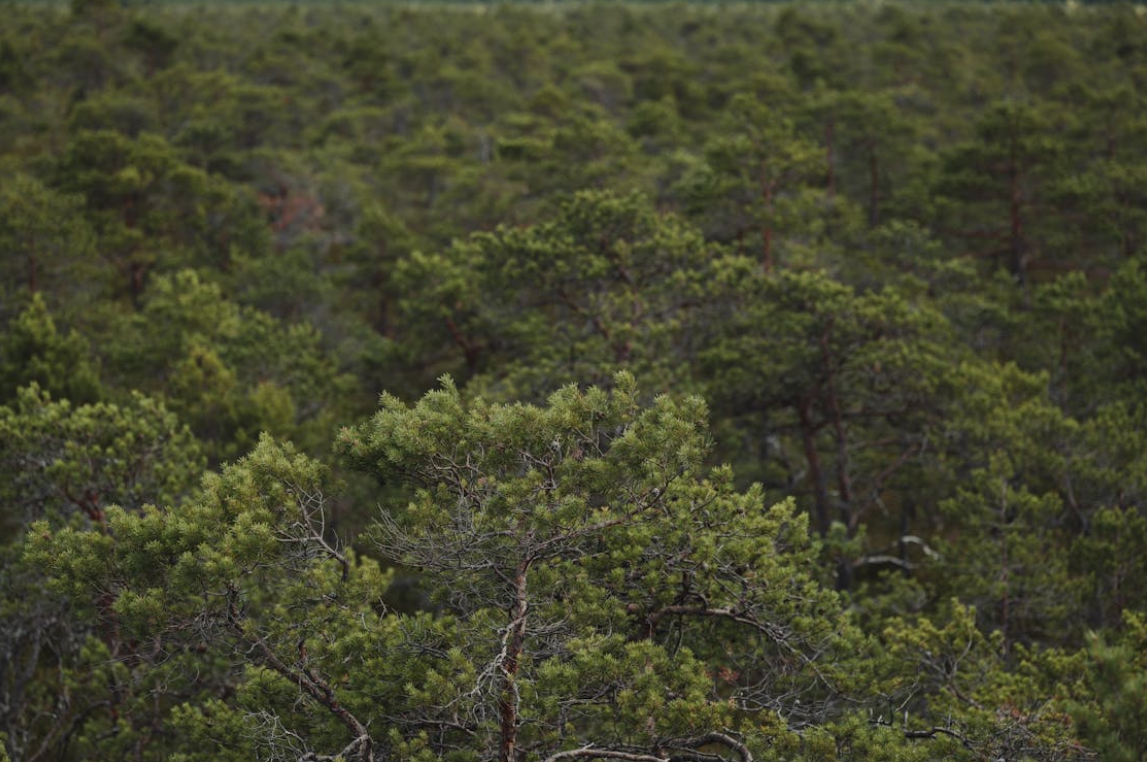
(897,248)
(1112,719)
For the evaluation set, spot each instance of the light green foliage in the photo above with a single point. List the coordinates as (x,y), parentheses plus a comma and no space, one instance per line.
(1008,469)
(229,371)
(1115,474)
(246,568)
(948,681)
(64,464)
(32,350)
(1008,559)
(589,557)
(1116,571)
(62,459)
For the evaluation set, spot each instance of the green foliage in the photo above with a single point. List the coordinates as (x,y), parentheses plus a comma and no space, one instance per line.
(1112,720)
(897,247)
(33,351)
(229,371)
(63,459)
(586,532)
(46,244)
(244,568)
(64,464)
(149,208)
(607,283)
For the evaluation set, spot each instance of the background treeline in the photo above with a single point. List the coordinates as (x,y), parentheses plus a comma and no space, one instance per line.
(898,249)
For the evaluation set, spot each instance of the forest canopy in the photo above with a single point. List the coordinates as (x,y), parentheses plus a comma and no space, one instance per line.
(579,381)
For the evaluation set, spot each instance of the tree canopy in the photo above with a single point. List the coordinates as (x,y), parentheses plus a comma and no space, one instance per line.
(633,382)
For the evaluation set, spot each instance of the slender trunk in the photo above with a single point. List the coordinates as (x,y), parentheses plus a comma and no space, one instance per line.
(830,158)
(906,511)
(621,352)
(381,282)
(767,224)
(1128,243)
(873,187)
(767,248)
(469,349)
(1006,603)
(1005,570)
(33,266)
(812,457)
(1017,265)
(1064,350)
(515,640)
(138,271)
(843,479)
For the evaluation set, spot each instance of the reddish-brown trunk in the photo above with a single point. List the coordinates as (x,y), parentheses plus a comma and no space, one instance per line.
(830,158)
(621,352)
(1006,603)
(1126,237)
(843,479)
(138,271)
(508,702)
(766,225)
(1017,264)
(812,457)
(873,187)
(383,324)
(469,349)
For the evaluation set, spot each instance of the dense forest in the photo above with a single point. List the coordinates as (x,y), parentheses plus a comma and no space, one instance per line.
(543,383)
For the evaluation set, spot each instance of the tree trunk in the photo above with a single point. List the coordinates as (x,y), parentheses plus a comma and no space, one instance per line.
(766,225)
(138,271)
(820,483)
(469,349)
(1016,265)
(873,187)
(515,640)
(830,158)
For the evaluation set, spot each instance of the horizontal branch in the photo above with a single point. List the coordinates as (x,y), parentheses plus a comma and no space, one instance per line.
(590,752)
(723,739)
